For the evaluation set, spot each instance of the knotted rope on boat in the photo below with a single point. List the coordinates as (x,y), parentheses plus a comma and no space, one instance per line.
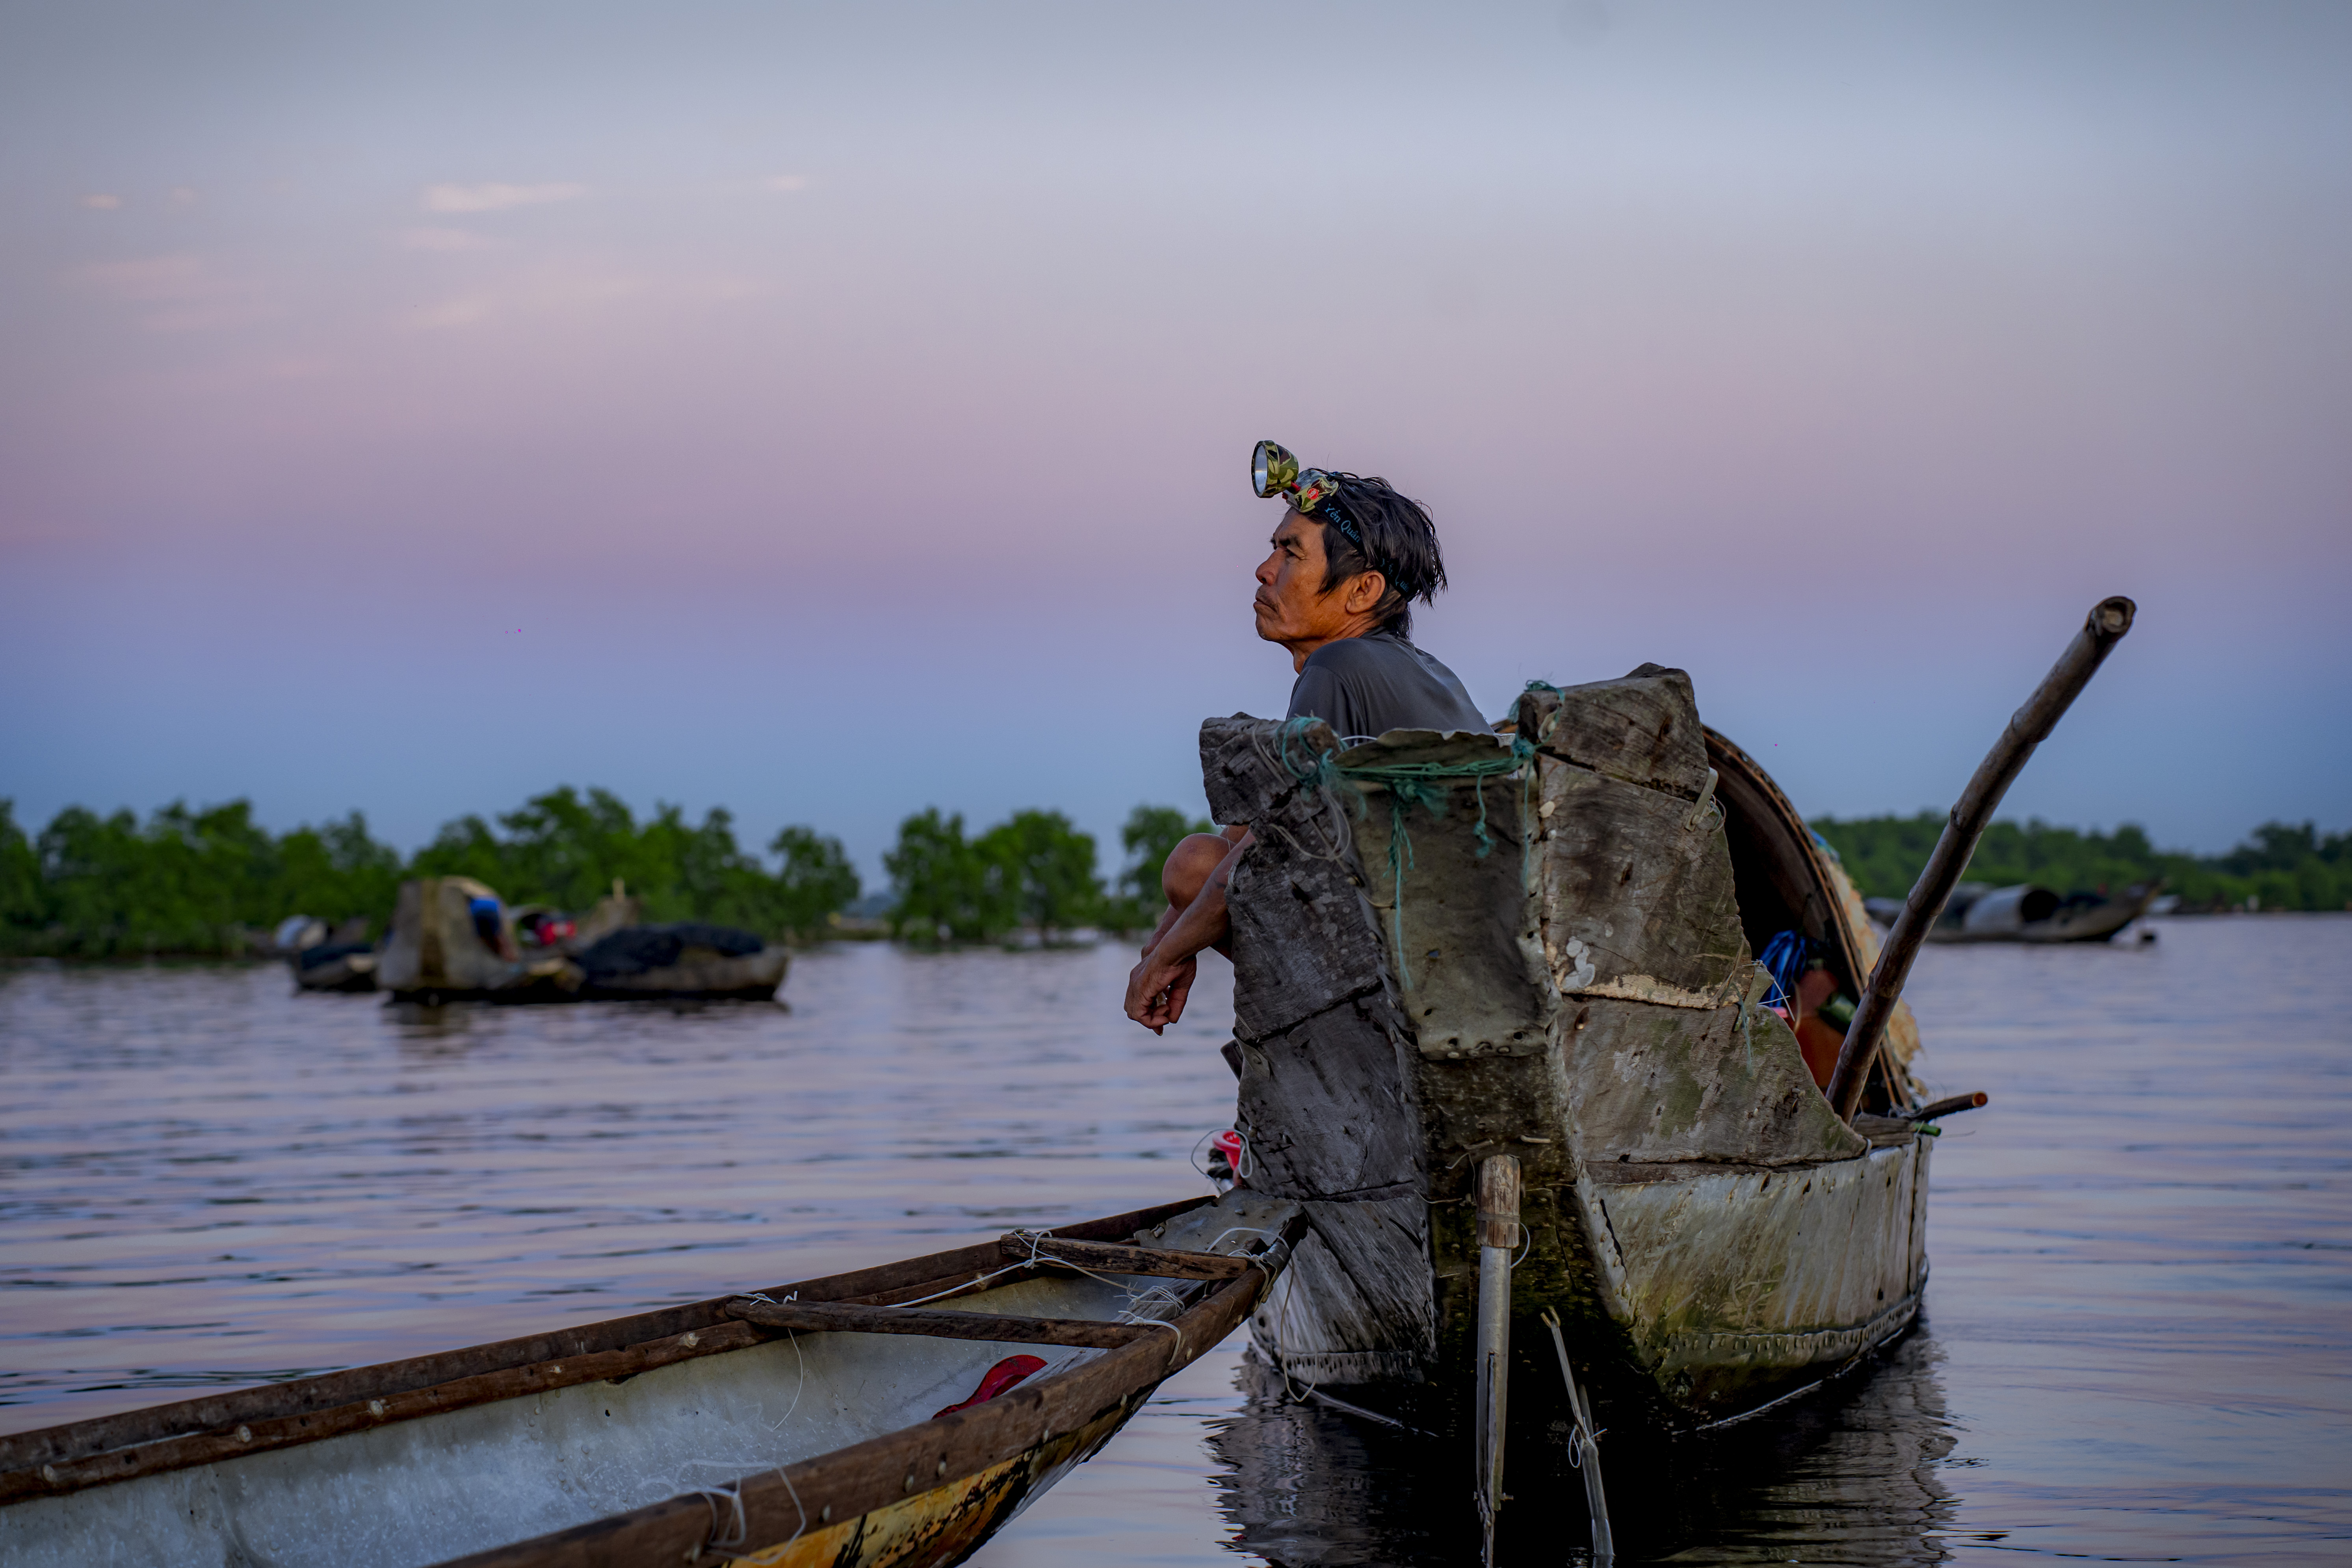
(1429,785)
(1157,1296)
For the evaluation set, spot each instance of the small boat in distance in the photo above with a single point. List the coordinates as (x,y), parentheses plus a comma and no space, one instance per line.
(2028,911)
(892,1415)
(335,966)
(452,938)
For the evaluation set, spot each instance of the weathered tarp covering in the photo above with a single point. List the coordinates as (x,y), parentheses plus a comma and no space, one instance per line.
(640,948)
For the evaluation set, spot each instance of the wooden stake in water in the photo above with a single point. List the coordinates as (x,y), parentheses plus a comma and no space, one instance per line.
(1587,1450)
(1499,1238)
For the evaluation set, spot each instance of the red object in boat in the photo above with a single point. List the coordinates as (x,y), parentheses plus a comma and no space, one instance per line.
(1001,1376)
(1229,1145)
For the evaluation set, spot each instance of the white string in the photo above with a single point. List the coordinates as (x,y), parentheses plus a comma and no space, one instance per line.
(712,1540)
(1526,1245)
(975,1281)
(1242,1168)
(1159,1294)
(797,1387)
(794,1492)
(1239,1230)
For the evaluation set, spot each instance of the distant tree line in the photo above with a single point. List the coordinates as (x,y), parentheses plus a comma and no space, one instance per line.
(1033,870)
(207,881)
(187,881)
(2283,866)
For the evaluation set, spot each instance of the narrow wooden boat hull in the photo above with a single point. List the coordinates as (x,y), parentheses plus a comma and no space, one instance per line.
(350,972)
(435,954)
(651,1438)
(2072,920)
(755,976)
(1445,951)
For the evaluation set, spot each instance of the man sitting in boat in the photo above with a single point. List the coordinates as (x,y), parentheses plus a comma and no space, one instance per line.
(1336,590)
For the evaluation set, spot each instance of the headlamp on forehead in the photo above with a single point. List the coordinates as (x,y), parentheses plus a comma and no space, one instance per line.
(1276,474)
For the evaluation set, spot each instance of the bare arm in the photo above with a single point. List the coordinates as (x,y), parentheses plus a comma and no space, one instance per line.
(1157,989)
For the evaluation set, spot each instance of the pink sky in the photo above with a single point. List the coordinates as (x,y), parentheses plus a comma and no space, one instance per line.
(827,412)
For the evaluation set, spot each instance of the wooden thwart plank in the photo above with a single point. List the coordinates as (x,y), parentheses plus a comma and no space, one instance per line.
(1160,1263)
(824,1317)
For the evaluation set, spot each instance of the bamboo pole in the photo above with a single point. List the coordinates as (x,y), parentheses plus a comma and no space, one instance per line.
(1498,1237)
(2105,627)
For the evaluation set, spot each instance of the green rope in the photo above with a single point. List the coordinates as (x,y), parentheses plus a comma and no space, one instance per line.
(1410,784)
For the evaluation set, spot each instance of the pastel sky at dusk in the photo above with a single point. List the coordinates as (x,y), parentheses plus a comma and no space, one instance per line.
(829,411)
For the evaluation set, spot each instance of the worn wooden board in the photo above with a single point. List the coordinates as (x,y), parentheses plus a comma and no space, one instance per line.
(1642,729)
(831,1317)
(1638,897)
(1650,1083)
(1494,1104)
(1327,1106)
(1356,1305)
(1303,936)
(1460,937)
(1734,1282)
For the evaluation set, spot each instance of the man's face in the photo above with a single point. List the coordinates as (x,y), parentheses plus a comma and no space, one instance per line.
(1291,606)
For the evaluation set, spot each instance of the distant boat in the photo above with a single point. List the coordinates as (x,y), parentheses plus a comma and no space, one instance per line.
(335,966)
(2028,911)
(894,1415)
(684,958)
(324,957)
(452,938)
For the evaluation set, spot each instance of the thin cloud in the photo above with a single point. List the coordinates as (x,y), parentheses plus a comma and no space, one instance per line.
(448,239)
(180,293)
(453,313)
(491,198)
(101,202)
(788,183)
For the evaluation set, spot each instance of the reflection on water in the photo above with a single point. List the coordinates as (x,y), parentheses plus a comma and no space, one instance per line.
(1306,1487)
(2136,1344)
(205,1179)
(2136,1331)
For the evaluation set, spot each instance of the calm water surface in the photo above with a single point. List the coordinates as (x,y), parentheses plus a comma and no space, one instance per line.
(2135,1348)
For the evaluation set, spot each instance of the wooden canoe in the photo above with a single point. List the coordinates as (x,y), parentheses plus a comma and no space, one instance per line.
(1541,944)
(795,1425)
(437,954)
(2028,912)
(335,966)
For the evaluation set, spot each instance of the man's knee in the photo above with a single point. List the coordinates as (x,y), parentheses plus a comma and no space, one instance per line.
(1189,865)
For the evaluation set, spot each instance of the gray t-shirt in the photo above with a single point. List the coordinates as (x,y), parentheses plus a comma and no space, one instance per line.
(1370,685)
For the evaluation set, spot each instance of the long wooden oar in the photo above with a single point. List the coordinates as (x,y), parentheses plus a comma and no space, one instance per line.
(2028,728)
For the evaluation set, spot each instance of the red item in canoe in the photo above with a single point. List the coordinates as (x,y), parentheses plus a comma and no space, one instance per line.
(1001,1376)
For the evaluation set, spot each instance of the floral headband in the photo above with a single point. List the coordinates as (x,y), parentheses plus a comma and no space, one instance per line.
(1273,472)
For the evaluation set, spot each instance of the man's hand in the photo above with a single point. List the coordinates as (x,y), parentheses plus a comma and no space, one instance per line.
(1156,989)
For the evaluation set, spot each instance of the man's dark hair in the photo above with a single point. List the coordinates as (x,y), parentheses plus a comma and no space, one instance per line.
(1395,538)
